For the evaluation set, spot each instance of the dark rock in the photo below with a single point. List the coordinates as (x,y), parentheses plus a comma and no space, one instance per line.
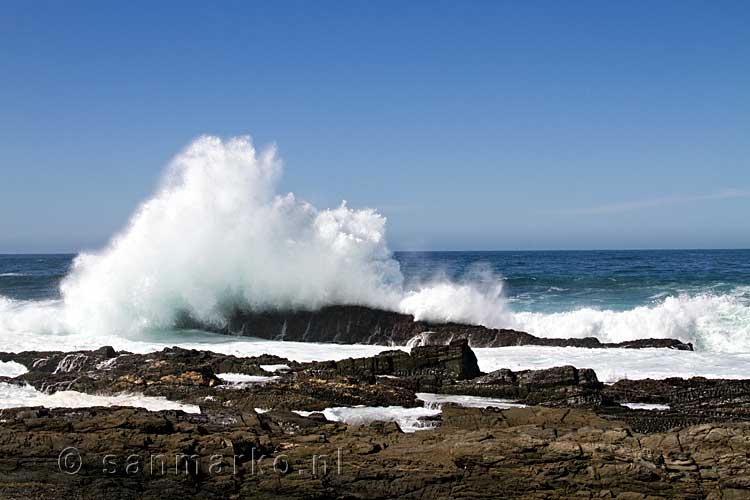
(604,450)
(521,453)
(312,394)
(560,386)
(359,324)
(659,343)
(389,379)
(691,401)
(454,361)
(189,376)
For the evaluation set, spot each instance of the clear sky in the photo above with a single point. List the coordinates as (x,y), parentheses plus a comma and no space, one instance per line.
(470,125)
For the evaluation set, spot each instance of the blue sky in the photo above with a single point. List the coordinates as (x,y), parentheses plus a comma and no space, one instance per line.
(470,125)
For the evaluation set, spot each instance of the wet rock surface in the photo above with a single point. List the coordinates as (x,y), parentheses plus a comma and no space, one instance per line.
(434,364)
(365,325)
(476,453)
(690,401)
(566,386)
(573,440)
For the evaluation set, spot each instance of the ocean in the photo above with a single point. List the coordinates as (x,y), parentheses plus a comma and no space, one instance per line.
(218,234)
(700,296)
(533,281)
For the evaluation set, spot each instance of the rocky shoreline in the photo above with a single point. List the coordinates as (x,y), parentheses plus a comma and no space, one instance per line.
(567,436)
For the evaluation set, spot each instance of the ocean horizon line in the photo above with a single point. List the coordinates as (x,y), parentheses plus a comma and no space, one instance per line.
(532,250)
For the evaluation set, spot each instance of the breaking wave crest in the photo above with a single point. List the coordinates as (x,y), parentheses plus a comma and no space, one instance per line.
(710,322)
(217,235)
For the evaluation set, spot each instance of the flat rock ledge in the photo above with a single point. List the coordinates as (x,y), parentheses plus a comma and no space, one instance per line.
(575,439)
(534,452)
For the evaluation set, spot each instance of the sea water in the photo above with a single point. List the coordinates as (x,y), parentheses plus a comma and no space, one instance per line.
(697,296)
(218,234)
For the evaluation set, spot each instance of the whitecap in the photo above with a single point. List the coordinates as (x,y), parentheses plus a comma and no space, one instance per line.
(11,369)
(241,378)
(646,406)
(14,396)
(408,419)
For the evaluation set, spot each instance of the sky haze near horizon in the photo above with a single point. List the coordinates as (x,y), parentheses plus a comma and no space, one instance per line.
(470,126)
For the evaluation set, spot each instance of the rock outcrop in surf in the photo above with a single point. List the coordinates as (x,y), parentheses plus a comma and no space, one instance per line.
(365,325)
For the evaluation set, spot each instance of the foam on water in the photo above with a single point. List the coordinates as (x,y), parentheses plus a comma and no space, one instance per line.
(609,364)
(14,396)
(710,322)
(241,378)
(612,365)
(436,401)
(27,317)
(407,418)
(11,369)
(716,323)
(274,368)
(646,406)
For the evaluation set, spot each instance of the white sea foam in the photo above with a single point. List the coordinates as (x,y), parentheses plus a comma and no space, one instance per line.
(711,322)
(275,368)
(646,406)
(610,364)
(718,323)
(26,317)
(11,369)
(436,401)
(218,235)
(241,378)
(13,396)
(407,418)
(472,302)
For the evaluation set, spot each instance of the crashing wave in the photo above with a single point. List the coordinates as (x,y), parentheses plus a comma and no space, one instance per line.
(217,236)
